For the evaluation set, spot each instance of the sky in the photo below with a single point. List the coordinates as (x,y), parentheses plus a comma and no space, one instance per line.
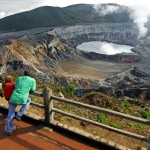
(140,15)
(8,7)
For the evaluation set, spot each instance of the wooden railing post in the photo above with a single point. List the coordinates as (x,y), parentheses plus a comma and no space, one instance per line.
(148,143)
(51,114)
(48,105)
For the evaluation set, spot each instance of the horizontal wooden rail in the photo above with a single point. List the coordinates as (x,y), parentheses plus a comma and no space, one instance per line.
(36,93)
(139,137)
(99,109)
(37,104)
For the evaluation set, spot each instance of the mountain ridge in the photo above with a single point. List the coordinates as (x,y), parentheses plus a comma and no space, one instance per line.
(47,16)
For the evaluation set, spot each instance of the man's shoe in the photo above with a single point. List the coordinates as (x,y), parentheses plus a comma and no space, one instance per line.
(18,118)
(10,133)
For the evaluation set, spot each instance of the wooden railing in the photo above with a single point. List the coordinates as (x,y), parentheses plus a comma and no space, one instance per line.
(49,114)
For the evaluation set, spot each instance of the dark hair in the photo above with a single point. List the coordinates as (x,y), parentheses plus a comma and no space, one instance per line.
(26,73)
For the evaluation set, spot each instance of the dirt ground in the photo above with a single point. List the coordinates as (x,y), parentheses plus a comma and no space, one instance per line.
(90,69)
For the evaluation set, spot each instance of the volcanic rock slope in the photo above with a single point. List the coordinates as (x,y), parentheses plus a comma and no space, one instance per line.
(51,54)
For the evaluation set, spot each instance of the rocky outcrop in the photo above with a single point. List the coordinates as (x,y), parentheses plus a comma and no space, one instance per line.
(40,52)
(116,33)
(134,93)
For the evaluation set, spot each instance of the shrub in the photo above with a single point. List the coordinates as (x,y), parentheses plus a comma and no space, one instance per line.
(131,124)
(144,114)
(90,95)
(127,104)
(102,118)
(141,126)
(69,90)
(113,124)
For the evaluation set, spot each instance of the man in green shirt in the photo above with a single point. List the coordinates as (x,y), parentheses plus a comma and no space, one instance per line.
(24,85)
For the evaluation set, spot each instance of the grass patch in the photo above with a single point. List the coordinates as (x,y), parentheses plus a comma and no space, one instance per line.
(102,118)
(114,125)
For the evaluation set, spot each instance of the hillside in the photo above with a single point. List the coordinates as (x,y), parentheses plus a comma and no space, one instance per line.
(55,16)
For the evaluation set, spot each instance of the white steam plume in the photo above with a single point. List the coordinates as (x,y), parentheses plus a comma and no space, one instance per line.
(138,13)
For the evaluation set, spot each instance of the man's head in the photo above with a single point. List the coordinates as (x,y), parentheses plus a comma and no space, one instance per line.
(26,73)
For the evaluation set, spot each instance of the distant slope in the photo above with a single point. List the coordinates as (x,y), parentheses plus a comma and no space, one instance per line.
(56,16)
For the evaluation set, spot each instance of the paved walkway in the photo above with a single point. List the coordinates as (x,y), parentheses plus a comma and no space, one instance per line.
(29,136)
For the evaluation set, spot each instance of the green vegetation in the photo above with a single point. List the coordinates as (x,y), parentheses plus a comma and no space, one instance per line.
(48,16)
(102,118)
(69,90)
(115,125)
(138,125)
(131,124)
(144,114)
(141,126)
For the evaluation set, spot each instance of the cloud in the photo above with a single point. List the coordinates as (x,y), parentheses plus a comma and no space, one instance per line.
(64,3)
(10,7)
(103,10)
(11,12)
(2,14)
